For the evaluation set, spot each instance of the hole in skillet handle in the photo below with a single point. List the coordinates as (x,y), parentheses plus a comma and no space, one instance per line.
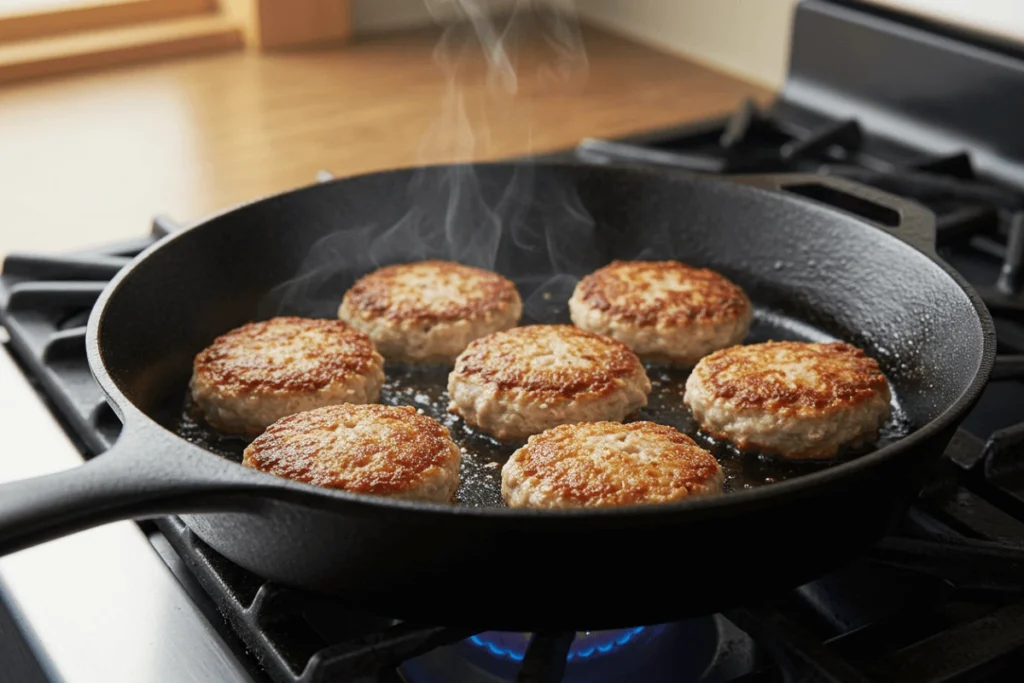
(904,219)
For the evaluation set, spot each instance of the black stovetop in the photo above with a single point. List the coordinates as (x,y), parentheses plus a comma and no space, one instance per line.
(942,599)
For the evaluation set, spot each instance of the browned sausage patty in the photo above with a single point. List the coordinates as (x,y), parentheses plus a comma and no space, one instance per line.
(429,311)
(262,371)
(602,464)
(663,310)
(374,449)
(522,381)
(794,399)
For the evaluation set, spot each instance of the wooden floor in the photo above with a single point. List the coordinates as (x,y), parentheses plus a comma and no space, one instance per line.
(90,158)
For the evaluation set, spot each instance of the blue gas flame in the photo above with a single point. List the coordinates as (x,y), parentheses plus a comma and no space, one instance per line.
(586,646)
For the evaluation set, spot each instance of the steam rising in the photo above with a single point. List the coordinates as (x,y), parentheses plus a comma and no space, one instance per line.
(514,221)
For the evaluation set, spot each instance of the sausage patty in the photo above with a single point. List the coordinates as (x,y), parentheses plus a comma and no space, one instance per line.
(794,399)
(522,381)
(262,371)
(665,311)
(604,464)
(427,312)
(374,449)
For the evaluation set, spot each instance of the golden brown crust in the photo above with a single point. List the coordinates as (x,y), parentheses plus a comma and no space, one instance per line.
(553,360)
(429,292)
(664,293)
(359,448)
(612,464)
(792,378)
(285,355)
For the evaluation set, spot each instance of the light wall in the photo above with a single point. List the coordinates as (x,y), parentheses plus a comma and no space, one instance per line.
(749,38)
(369,16)
(1001,18)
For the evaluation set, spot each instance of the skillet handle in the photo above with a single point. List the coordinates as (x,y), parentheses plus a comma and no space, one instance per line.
(125,482)
(905,220)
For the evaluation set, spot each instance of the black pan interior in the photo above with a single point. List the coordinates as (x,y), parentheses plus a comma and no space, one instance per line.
(813,273)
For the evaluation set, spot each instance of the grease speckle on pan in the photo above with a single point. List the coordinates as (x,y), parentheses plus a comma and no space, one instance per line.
(423,387)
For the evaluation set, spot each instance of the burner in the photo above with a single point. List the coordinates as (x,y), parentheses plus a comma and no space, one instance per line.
(683,652)
(586,645)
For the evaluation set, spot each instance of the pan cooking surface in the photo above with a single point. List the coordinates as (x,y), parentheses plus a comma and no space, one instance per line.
(425,389)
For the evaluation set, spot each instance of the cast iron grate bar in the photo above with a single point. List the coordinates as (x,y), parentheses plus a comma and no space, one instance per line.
(844,134)
(927,186)
(989,246)
(1008,366)
(965,449)
(912,620)
(47,296)
(63,344)
(129,248)
(1006,296)
(956,165)
(380,653)
(1004,469)
(1010,334)
(920,524)
(163,225)
(975,517)
(545,657)
(771,627)
(740,124)
(961,653)
(1002,453)
(965,222)
(603,151)
(706,132)
(966,563)
(1010,276)
(63,267)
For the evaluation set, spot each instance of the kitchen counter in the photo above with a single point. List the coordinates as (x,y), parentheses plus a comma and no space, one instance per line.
(90,158)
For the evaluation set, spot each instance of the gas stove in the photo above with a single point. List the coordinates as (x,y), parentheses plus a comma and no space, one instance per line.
(942,599)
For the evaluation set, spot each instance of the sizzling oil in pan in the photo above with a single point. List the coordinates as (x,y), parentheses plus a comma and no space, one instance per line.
(425,389)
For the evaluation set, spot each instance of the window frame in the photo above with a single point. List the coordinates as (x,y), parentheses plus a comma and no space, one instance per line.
(89,15)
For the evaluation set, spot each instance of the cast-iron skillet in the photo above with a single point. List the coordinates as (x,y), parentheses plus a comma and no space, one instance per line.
(811,265)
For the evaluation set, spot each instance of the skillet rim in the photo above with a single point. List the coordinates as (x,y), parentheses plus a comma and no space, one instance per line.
(270,488)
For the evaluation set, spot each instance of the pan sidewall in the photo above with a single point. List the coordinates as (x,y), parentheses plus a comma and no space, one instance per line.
(582,574)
